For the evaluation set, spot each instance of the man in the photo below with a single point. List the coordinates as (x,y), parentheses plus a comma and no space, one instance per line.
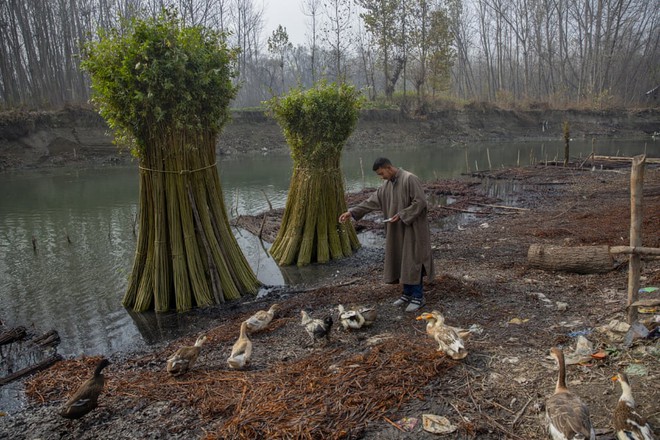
(408,256)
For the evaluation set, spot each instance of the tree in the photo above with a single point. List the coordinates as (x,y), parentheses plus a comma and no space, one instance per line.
(316,124)
(337,35)
(430,42)
(382,20)
(279,45)
(166,88)
(311,9)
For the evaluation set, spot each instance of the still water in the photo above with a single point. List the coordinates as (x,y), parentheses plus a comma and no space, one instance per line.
(82,223)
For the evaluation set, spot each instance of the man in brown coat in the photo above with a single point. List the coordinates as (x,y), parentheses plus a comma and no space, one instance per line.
(408,255)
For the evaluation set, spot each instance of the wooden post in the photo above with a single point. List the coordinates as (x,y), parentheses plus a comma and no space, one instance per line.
(636,217)
(567,139)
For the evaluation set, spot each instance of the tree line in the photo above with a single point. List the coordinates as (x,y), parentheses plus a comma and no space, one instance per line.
(412,53)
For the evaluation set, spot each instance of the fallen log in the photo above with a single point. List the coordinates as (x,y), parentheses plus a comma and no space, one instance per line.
(31,369)
(11,335)
(626,159)
(50,338)
(582,259)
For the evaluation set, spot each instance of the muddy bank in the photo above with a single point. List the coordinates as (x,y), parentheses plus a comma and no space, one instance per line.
(75,135)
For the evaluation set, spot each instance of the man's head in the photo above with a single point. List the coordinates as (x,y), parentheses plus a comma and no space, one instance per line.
(384,168)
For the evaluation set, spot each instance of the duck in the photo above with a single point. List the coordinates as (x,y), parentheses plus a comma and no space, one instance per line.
(446,336)
(184,358)
(241,352)
(85,399)
(567,415)
(350,319)
(628,423)
(316,328)
(261,319)
(369,314)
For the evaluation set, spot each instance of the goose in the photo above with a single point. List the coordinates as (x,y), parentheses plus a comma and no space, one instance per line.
(567,415)
(628,423)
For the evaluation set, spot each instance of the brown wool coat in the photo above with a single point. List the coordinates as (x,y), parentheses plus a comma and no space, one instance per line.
(408,241)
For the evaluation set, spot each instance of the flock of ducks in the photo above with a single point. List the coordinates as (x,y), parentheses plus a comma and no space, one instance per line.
(567,415)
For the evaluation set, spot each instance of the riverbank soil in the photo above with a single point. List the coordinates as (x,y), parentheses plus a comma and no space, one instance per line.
(78,135)
(360,384)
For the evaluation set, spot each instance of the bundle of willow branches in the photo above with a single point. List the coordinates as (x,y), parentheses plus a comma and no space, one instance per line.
(316,124)
(165,88)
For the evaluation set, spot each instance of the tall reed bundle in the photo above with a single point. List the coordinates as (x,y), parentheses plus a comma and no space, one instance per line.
(166,88)
(316,124)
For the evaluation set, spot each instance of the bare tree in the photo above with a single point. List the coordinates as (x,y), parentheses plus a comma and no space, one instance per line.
(312,9)
(337,34)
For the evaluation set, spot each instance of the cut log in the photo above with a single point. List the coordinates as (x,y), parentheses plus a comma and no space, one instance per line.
(582,259)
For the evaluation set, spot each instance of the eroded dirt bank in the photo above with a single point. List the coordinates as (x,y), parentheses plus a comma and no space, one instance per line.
(74,135)
(359,382)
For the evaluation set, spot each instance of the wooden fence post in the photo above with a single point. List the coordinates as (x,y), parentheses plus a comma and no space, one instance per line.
(636,217)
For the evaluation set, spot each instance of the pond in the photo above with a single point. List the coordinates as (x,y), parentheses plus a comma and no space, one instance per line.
(82,224)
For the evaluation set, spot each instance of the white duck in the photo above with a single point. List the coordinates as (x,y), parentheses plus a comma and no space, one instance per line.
(567,415)
(628,423)
(241,352)
(350,319)
(449,341)
(261,319)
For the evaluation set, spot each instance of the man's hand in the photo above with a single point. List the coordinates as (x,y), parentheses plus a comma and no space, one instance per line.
(345,216)
(393,219)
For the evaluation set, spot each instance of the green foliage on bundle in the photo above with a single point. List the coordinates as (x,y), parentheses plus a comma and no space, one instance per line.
(157,74)
(318,121)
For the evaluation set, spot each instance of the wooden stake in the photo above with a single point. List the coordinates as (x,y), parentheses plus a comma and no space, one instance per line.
(634,250)
(467,163)
(636,217)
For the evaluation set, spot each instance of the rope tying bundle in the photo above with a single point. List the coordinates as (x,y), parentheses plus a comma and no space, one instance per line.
(180,172)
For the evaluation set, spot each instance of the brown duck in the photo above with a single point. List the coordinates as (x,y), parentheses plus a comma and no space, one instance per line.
(86,396)
(567,415)
(184,358)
